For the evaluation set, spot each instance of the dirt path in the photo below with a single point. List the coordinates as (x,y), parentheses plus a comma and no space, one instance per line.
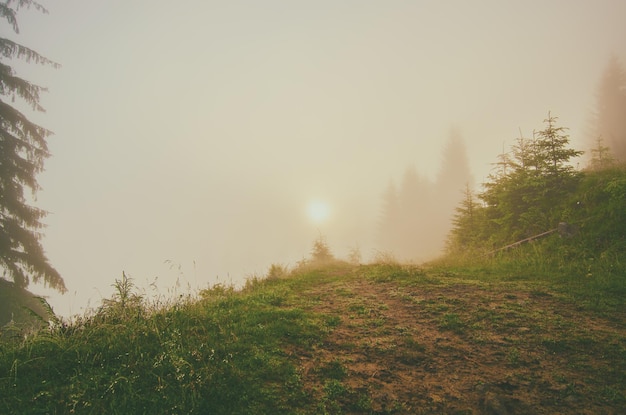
(461,348)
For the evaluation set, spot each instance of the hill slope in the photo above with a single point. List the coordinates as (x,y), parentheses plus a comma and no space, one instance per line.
(415,343)
(376,339)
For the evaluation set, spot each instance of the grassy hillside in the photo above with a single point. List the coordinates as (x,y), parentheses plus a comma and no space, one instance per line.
(336,339)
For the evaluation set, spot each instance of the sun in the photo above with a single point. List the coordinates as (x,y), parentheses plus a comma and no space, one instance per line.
(318,211)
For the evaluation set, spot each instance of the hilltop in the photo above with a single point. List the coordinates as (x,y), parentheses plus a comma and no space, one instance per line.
(333,339)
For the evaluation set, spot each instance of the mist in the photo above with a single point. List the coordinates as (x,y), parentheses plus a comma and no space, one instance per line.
(190,142)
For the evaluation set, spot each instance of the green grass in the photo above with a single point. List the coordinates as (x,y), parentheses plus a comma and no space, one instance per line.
(225,351)
(594,279)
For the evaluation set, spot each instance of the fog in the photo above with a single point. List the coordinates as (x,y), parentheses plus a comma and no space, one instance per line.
(191,138)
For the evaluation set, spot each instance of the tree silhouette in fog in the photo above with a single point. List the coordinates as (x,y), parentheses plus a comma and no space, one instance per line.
(601,156)
(466,222)
(391,211)
(609,117)
(454,172)
(23,150)
(321,251)
(416,217)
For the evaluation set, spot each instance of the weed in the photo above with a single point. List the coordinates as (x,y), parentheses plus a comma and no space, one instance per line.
(333,321)
(411,352)
(321,253)
(453,322)
(513,356)
(277,271)
(555,345)
(333,370)
(359,309)
(344,292)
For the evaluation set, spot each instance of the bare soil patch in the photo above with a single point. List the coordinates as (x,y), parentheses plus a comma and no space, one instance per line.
(465,348)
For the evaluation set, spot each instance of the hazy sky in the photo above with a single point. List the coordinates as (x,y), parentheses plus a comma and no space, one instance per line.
(199,131)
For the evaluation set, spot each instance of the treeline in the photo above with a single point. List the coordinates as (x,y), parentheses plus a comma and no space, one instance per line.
(415,217)
(535,187)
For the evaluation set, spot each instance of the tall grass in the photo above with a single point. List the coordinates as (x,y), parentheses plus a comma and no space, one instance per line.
(221,352)
(571,265)
(225,351)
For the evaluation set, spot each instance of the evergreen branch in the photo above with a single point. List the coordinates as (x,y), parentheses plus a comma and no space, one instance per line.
(10,49)
(13,85)
(11,144)
(9,14)
(28,4)
(23,149)
(13,121)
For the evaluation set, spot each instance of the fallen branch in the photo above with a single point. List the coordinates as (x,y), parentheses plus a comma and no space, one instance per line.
(514,244)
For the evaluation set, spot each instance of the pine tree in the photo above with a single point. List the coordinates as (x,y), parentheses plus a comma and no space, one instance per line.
(390,222)
(610,113)
(528,193)
(454,176)
(23,150)
(552,154)
(465,230)
(455,171)
(550,179)
(321,251)
(499,201)
(416,215)
(601,156)
(524,159)
(418,228)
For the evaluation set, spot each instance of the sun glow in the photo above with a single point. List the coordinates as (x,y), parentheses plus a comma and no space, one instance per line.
(318,211)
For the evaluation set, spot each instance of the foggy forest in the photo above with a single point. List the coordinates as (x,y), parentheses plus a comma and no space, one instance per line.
(346,207)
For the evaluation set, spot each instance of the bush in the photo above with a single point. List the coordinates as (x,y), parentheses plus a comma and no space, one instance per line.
(321,252)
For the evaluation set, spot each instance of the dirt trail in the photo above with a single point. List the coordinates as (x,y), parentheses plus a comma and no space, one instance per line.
(460,348)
